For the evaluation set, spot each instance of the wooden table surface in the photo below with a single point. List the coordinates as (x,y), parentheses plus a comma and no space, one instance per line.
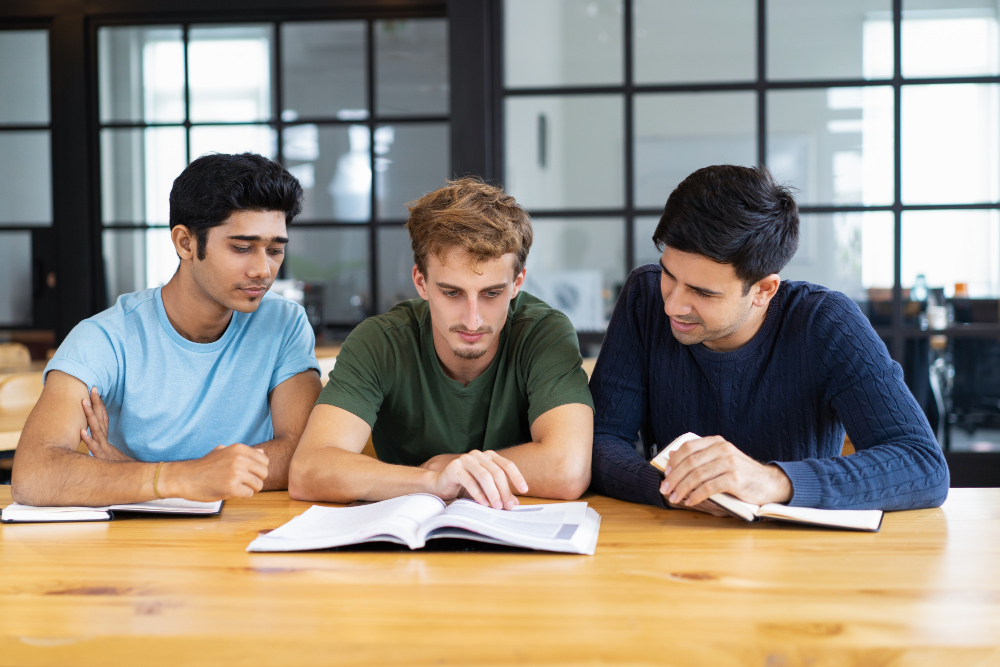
(665,587)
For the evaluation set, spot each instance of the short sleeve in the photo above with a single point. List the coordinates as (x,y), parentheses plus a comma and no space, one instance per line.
(552,367)
(89,355)
(361,377)
(298,351)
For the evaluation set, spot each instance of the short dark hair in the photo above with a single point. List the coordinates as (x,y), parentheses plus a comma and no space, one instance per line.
(732,215)
(215,186)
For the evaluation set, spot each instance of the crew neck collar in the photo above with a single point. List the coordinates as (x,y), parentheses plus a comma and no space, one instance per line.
(427,332)
(172,333)
(751,346)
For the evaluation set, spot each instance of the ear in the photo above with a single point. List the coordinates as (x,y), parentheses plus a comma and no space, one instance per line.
(184,242)
(420,283)
(519,282)
(766,288)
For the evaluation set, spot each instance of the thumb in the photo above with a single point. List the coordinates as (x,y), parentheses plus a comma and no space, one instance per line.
(218,447)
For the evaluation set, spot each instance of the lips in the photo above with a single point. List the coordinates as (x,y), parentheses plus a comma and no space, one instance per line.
(253,291)
(470,337)
(683,327)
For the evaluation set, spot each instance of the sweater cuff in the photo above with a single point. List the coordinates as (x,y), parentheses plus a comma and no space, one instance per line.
(806,487)
(649,486)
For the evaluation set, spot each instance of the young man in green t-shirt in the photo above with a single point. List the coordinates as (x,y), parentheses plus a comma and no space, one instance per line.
(475,389)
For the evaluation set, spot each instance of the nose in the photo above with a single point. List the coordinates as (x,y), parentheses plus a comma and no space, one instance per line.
(674,303)
(472,319)
(259,267)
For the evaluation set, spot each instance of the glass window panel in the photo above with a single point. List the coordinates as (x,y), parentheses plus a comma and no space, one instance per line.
(259,139)
(141,74)
(578,266)
(676,134)
(945,252)
(138,168)
(950,38)
(950,144)
(643,249)
(334,265)
(395,267)
(137,259)
(847,39)
(708,40)
(410,161)
(835,145)
(565,152)
(24,76)
(229,73)
(411,76)
(323,70)
(15,279)
(333,166)
(562,42)
(25,178)
(851,253)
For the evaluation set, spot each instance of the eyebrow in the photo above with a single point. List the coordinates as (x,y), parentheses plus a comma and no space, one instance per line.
(703,290)
(257,238)
(491,288)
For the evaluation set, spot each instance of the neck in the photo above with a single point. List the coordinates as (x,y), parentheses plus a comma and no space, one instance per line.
(743,335)
(194,314)
(459,369)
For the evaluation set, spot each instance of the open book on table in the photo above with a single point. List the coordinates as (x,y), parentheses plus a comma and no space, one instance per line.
(868,520)
(414,519)
(17,513)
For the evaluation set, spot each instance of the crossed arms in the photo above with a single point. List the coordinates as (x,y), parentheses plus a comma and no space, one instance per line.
(328,464)
(48,469)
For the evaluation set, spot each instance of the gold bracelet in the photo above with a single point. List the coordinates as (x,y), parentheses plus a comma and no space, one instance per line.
(156,478)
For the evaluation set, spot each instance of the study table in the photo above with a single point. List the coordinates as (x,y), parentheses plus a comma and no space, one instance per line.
(665,587)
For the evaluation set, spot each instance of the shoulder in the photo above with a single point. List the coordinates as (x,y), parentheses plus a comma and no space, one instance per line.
(130,310)
(400,323)
(822,307)
(530,316)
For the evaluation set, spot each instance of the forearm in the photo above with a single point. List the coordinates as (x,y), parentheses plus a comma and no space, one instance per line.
(890,476)
(58,476)
(620,472)
(552,470)
(336,475)
(279,455)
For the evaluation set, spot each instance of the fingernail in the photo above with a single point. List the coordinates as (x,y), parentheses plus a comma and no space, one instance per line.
(665,487)
(667,470)
(673,497)
(87,403)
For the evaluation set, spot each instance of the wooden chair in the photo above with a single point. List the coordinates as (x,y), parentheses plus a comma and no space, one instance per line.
(14,355)
(20,391)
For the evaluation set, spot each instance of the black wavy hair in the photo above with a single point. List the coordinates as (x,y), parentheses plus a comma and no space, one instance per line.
(732,215)
(215,186)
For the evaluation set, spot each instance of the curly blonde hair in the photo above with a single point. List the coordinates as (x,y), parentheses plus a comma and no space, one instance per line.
(472,215)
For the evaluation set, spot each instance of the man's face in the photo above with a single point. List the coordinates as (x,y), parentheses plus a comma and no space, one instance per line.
(468,305)
(242,256)
(703,299)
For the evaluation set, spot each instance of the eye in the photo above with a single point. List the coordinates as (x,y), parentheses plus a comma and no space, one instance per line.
(451,295)
(493,294)
(241,249)
(277,252)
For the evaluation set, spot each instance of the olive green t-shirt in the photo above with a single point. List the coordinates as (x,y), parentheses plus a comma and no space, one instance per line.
(388,374)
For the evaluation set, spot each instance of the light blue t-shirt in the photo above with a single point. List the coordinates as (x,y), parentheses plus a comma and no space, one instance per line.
(171,399)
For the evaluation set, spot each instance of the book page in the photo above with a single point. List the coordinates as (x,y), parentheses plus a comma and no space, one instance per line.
(852,519)
(552,527)
(171,506)
(324,527)
(15,512)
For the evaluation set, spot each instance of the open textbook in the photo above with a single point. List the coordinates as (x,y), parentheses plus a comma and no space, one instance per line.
(869,520)
(412,520)
(17,513)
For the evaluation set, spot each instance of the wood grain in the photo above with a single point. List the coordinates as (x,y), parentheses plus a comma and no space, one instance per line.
(665,587)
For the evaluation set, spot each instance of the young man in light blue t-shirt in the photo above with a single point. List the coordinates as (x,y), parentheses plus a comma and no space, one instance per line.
(199,389)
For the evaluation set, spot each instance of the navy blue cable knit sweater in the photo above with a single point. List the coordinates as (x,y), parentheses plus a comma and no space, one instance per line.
(815,367)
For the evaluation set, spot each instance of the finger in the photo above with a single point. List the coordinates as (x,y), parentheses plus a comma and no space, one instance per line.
(94,448)
(486,483)
(92,421)
(254,481)
(99,410)
(720,484)
(470,484)
(696,478)
(256,468)
(218,447)
(507,498)
(513,474)
(680,469)
(692,446)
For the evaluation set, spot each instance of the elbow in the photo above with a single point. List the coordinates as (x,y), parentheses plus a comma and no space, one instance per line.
(299,487)
(24,488)
(572,483)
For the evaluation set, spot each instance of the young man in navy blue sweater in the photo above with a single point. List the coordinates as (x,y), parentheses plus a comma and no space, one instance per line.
(771,373)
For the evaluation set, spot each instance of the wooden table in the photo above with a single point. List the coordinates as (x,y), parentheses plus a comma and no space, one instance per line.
(665,587)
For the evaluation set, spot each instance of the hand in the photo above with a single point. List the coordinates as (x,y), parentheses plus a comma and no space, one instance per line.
(236,471)
(97,420)
(708,507)
(485,476)
(703,467)
(439,462)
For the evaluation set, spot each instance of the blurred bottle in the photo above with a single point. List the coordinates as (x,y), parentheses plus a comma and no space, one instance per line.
(919,290)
